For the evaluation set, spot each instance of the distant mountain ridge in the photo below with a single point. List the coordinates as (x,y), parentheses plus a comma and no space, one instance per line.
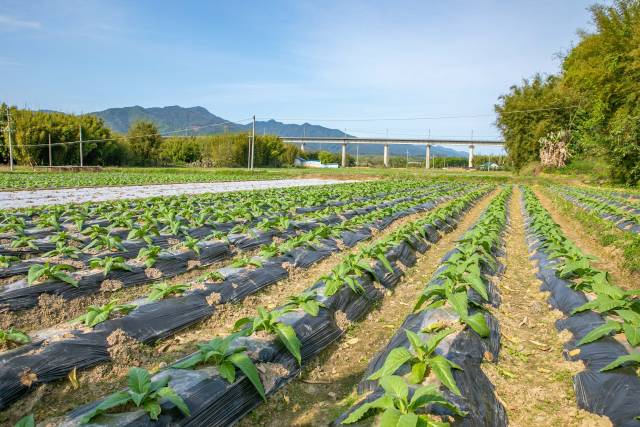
(200,121)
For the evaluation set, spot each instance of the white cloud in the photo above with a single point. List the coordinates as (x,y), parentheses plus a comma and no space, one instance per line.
(9,23)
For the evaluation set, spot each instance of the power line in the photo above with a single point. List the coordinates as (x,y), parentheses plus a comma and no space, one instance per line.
(374,119)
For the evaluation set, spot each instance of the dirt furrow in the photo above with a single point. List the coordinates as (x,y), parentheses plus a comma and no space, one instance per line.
(532,378)
(327,386)
(54,399)
(608,257)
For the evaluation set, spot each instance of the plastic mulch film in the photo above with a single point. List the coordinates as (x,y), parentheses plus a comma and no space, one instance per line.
(615,394)
(152,321)
(214,402)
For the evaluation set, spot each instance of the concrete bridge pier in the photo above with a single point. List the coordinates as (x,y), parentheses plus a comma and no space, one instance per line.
(386,155)
(344,154)
(471,147)
(302,147)
(427,162)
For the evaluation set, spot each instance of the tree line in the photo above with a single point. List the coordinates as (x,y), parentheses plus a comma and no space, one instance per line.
(595,97)
(143,145)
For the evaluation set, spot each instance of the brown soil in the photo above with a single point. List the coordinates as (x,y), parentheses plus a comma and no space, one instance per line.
(608,257)
(327,386)
(58,398)
(532,379)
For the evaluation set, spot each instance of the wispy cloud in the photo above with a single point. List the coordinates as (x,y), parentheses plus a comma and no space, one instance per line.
(9,23)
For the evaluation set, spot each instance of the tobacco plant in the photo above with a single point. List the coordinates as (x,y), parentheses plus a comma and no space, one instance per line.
(422,360)
(269,322)
(221,353)
(397,409)
(49,271)
(99,313)
(142,393)
(13,335)
(162,290)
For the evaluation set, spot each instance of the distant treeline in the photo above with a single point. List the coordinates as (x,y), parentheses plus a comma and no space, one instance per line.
(141,146)
(596,97)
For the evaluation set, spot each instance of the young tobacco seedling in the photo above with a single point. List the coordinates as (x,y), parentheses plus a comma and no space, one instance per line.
(143,393)
(214,276)
(109,264)
(246,261)
(149,254)
(24,242)
(422,360)
(306,301)
(191,243)
(268,322)
(398,410)
(63,250)
(13,335)
(6,260)
(99,313)
(220,353)
(162,290)
(48,271)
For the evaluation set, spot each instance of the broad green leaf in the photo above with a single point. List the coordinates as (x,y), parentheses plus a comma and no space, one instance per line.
(288,337)
(395,386)
(600,331)
(173,397)
(632,333)
(478,285)
(139,380)
(442,369)
(26,421)
(359,413)
(389,418)
(478,323)
(408,420)
(227,371)
(116,399)
(418,371)
(459,302)
(152,408)
(189,362)
(244,363)
(395,359)
(633,358)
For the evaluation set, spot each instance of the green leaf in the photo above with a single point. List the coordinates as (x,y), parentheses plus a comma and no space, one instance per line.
(633,358)
(359,413)
(418,371)
(600,331)
(310,307)
(227,371)
(173,397)
(459,302)
(441,367)
(288,337)
(116,399)
(390,418)
(395,359)
(36,271)
(139,381)
(478,285)
(26,421)
(245,364)
(478,323)
(152,408)
(395,387)
(190,362)
(407,420)
(632,333)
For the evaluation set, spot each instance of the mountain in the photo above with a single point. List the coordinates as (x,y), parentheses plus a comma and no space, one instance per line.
(200,121)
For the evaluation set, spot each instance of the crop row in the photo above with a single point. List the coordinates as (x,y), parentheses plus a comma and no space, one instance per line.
(603,319)
(230,375)
(625,216)
(38,232)
(117,273)
(148,321)
(429,373)
(149,240)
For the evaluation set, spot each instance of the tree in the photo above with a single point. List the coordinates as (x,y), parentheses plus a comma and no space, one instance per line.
(144,141)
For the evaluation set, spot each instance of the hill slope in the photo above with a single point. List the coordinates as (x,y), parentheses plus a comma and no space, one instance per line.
(202,122)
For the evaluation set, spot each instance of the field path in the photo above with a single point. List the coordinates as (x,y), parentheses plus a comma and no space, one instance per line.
(29,198)
(325,388)
(532,378)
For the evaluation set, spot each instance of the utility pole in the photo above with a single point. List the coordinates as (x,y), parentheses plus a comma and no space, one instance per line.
(10,141)
(80,126)
(50,164)
(253,141)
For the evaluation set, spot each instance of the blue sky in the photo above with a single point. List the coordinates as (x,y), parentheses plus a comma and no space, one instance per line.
(294,61)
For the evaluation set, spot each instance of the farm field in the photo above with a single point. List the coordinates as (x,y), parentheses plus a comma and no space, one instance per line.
(442,300)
